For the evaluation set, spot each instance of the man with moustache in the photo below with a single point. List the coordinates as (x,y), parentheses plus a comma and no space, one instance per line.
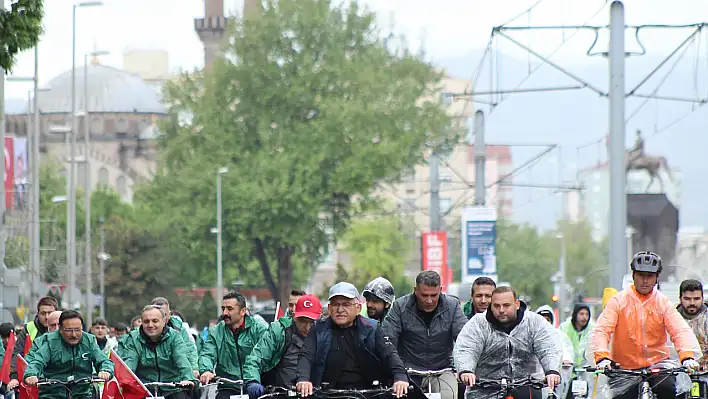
(64,354)
(228,344)
(693,309)
(507,335)
(480,296)
(276,355)
(157,353)
(638,321)
(379,297)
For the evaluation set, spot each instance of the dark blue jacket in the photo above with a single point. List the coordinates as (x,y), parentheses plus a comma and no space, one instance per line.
(382,357)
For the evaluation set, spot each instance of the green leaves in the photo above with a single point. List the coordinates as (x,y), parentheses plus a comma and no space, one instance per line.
(20,29)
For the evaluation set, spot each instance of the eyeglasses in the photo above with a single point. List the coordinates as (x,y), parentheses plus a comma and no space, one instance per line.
(342,305)
(71,330)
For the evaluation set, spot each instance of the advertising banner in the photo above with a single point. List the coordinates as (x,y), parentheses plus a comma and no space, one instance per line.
(479,243)
(435,255)
(21,172)
(9,171)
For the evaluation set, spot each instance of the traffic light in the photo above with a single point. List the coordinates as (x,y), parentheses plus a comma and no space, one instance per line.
(554,298)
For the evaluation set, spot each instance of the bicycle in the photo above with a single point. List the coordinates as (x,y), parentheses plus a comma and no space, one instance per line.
(645,389)
(70,384)
(697,385)
(233,385)
(158,385)
(430,375)
(324,392)
(507,386)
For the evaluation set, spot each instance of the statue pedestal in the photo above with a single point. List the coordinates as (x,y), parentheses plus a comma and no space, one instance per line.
(655,220)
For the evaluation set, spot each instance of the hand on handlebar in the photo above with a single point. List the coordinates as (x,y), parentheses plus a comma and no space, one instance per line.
(552,380)
(400,388)
(206,377)
(691,365)
(105,376)
(304,388)
(468,379)
(605,364)
(31,381)
(186,384)
(12,384)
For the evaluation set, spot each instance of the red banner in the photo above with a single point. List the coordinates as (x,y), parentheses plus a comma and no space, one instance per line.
(9,171)
(435,255)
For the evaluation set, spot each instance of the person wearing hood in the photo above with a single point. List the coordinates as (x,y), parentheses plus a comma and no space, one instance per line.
(568,354)
(694,310)
(578,329)
(506,335)
(379,297)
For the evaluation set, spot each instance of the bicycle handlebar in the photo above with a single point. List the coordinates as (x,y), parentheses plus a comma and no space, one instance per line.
(222,380)
(646,372)
(429,373)
(510,384)
(165,384)
(48,381)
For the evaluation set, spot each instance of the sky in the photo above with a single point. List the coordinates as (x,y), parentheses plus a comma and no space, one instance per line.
(448,30)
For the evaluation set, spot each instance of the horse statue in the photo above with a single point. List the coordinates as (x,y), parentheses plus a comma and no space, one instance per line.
(636,159)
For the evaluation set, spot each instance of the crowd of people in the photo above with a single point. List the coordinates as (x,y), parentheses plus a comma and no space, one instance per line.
(423,341)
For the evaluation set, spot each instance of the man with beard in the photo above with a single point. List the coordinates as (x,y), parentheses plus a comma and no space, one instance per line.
(379,297)
(507,335)
(693,309)
(228,344)
(578,328)
(277,353)
(480,296)
(156,353)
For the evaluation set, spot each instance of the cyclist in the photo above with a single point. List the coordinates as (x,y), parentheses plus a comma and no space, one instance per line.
(175,323)
(228,343)
(66,354)
(347,350)
(695,312)
(578,329)
(568,355)
(424,326)
(292,300)
(276,354)
(480,296)
(379,297)
(156,353)
(99,329)
(508,342)
(636,321)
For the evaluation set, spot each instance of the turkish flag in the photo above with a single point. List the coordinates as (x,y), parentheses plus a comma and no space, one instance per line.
(7,360)
(25,390)
(279,311)
(124,383)
(28,344)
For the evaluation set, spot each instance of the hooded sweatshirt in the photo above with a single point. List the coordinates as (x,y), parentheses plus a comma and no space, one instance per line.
(699,325)
(567,345)
(579,339)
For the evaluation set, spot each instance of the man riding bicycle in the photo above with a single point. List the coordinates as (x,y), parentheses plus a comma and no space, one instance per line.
(508,341)
(64,355)
(157,353)
(637,321)
(379,297)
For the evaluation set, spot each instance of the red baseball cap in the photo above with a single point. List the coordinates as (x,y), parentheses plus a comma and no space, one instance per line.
(308,306)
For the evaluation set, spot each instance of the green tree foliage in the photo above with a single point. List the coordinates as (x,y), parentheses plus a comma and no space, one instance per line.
(527,259)
(377,247)
(308,111)
(20,29)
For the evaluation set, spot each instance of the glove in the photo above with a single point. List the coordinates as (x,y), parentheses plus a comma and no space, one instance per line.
(255,390)
(604,364)
(691,364)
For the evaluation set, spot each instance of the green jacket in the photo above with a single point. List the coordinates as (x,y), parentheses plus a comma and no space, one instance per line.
(53,358)
(579,339)
(468,309)
(165,362)
(268,351)
(223,355)
(176,323)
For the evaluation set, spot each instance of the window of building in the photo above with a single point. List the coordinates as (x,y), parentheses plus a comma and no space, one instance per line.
(121,186)
(103,176)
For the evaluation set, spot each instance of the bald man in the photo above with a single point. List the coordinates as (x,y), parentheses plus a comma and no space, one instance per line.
(53,321)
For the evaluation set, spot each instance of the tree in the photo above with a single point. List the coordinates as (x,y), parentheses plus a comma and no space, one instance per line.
(309,111)
(377,247)
(20,29)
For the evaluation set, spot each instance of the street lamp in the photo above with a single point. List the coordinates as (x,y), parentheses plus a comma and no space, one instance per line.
(102,258)
(88,259)
(71,204)
(219,266)
(561,271)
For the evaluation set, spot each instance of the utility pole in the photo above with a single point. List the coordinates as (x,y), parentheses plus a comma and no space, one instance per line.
(618,178)
(102,268)
(36,259)
(3,172)
(561,269)
(434,169)
(480,159)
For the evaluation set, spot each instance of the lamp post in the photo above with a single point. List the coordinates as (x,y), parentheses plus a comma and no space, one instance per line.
(219,266)
(66,131)
(88,259)
(102,258)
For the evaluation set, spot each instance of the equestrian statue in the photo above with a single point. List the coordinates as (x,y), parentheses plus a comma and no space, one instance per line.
(637,159)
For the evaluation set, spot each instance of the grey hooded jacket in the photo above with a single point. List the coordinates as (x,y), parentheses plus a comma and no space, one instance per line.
(492,350)
(425,347)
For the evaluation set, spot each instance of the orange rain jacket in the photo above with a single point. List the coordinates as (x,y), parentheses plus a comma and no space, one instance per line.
(637,325)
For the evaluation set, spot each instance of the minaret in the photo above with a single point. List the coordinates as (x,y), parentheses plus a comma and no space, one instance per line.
(212,27)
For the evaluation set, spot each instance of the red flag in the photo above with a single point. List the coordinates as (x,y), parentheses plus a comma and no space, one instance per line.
(28,344)
(279,312)
(7,360)
(25,391)
(130,386)
(112,390)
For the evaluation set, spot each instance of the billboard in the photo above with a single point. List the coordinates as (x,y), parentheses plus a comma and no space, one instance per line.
(9,171)
(435,255)
(20,172)
(479,243)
